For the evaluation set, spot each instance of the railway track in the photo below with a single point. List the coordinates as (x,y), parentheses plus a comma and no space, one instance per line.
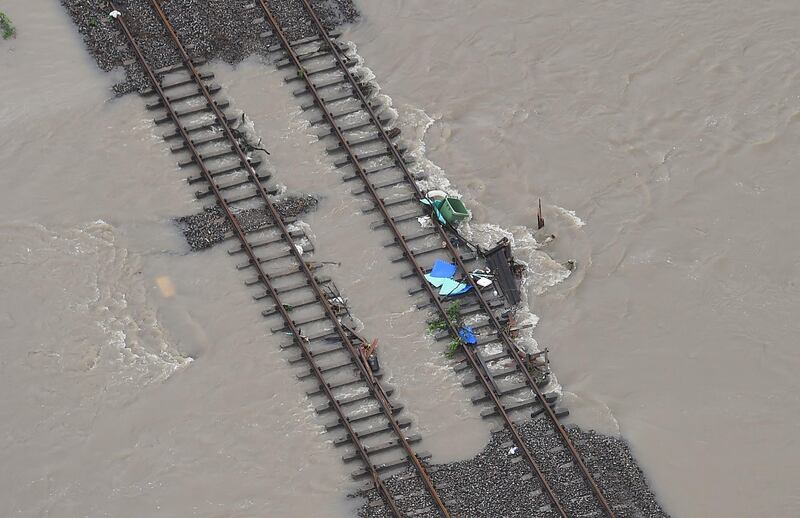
(343,108)
(308,306)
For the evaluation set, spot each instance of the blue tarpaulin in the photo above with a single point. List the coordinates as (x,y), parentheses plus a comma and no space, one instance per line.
(435,281)
(451,287)
(441,277)
(467,335)
(443,269)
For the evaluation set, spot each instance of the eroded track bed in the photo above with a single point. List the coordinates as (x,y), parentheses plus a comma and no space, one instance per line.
(298,300)
(547,467)
(343,102)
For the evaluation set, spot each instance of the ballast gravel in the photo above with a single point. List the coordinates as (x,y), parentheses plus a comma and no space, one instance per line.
(211,226)
(229,30)
(497,482)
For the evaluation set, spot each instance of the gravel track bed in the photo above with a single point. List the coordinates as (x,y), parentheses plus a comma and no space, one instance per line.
(493,484)
(209,227)
(210,29)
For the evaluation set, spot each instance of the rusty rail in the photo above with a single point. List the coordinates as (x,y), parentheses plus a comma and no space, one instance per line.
(507,341)
(374,387)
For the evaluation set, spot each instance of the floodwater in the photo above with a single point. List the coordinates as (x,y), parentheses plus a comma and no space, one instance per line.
(670,129)
(103,413)
(660,136)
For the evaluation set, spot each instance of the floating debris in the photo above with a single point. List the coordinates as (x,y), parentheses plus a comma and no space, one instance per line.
(8,29)
(165,286)
(501,261)
(441,277)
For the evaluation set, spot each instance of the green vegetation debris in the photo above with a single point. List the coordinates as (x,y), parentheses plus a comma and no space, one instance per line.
(455,343)
(437,325)
(453,312)
(9,31)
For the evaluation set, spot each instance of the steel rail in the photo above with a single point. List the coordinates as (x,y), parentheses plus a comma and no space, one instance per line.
(506,339)
(372,384)
(421,471)
(471,355)
(263,277)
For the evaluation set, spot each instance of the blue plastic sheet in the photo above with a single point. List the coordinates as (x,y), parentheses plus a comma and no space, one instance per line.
(443,269)
(441,277)
(435,281)
(451,287)
(467,335)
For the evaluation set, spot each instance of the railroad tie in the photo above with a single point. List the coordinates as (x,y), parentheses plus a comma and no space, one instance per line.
(226,169)
(341,383)
(411,438)
(182,82)
(377,153)
(210,139)
(404,422)
(408,238)
(396,408)
(293,287)
(326,368)
(384,466)
(304,90)
(302,41)
(295,234)
(329,67)
(213,89)
(327,406)
(322,351)
(194,128)
(346,93)
(190,111)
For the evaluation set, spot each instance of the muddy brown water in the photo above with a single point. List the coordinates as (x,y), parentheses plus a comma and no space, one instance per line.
(668,128)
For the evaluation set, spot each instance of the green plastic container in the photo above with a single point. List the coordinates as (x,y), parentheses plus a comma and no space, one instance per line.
(454,211)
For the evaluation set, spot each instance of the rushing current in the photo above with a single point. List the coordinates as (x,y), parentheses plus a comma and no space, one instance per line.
(138,379)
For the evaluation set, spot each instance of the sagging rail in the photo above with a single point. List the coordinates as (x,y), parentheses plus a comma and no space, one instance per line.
(348,343)
(350,141)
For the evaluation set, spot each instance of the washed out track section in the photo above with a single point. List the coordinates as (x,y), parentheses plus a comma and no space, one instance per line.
(300,303)
(342,105)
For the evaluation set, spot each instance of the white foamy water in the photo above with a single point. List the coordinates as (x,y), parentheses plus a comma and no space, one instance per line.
(128,343)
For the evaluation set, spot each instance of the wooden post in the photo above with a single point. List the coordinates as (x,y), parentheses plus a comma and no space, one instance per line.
(539,218)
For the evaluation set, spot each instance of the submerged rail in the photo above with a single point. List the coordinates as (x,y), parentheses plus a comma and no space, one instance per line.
(347,143)
(348,344)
